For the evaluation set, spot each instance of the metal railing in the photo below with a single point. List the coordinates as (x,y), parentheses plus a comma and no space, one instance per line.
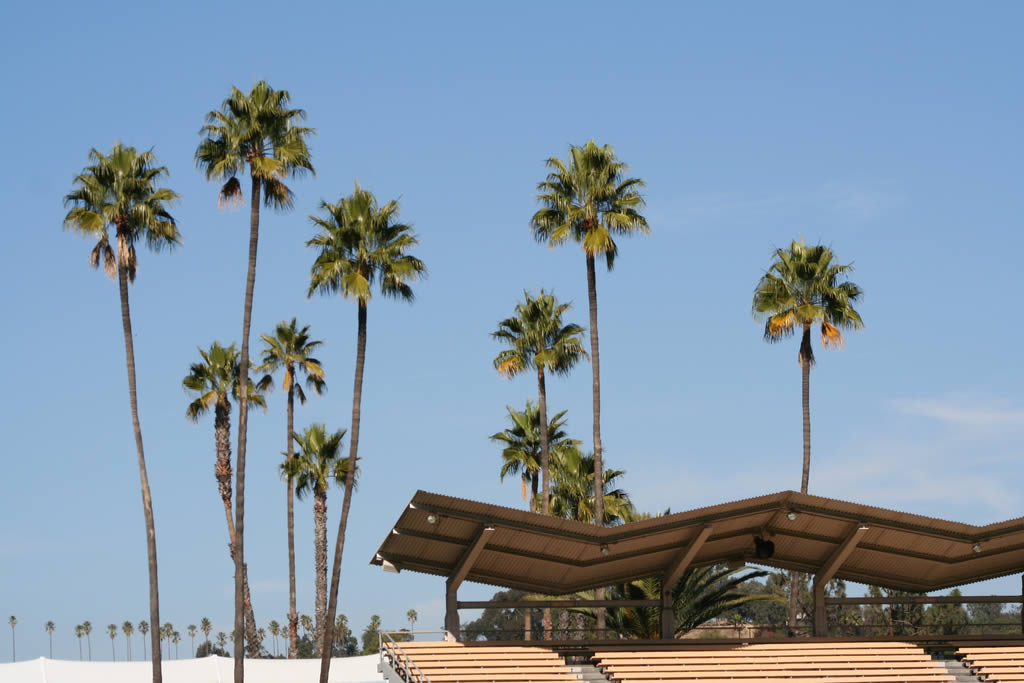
(398,659)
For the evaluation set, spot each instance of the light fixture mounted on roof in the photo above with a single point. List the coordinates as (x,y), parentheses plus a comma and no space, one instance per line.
(791,516)
(976,548)
(431,518)
(604,549)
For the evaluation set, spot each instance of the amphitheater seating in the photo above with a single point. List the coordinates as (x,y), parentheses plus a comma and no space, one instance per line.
(994,663)
(451,662)
(797,662)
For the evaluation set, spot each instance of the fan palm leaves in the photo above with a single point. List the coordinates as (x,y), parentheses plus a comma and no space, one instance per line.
(256,131)
(79,632)
(700,595)
(119,191)
(206,627)
(573,495)
(587,200)
(318,463)
(213,382)
(127,629)
(538,340)
(144,629)
(112,632)
(522,446)
(360,243)
(290,349)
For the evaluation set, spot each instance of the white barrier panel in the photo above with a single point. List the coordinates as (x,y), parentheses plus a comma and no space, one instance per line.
(207,670)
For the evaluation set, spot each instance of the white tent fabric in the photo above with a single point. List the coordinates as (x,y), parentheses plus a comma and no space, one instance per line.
(207,670)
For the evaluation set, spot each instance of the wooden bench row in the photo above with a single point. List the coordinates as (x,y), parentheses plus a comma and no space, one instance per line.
(456,662)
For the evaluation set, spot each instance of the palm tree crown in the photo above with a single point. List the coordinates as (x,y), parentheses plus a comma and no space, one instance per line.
(361,243)
(521,445)
(215,379)
(290,348)
(119,190)
(537,338)
(588,201)
(804,287)
(319,460)
(573,495)
(257,130)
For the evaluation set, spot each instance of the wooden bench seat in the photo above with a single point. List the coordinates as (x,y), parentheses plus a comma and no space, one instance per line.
(825,679)
(702,658)
(789,666)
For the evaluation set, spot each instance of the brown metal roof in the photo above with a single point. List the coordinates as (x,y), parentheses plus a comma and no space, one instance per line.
(537,553)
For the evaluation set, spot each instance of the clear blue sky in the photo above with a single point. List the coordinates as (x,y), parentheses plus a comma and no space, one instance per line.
(891,131)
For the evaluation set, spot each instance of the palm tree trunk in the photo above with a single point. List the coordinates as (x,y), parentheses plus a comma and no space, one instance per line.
(222,438)
(147,500)
(542,407)
(595,364)
(238,545)
(350,476)
(293,615)
(806,359)
(320,553)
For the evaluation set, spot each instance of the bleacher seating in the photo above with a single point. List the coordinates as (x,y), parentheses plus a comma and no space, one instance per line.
(796,662)
(447,662)
(994,663)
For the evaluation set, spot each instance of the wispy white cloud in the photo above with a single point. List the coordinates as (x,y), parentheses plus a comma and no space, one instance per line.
(973,410)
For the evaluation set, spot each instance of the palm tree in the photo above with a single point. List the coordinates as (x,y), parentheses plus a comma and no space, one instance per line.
(79,632)
(587,200)
(87,629)
(13,621)
(119,191)
(306,623)
(192,634)
(112,632)
(701,594)
(144,629)
(360,242)
(412,617)
(275,631)
(258,131)
(50,628)
(222,639)
(166,631)
(573,494)
(128,629)
(538,340)
(175,638)
(802,288)
(213,381)
(522,446)
(205,626)
(317,463)
(290,348)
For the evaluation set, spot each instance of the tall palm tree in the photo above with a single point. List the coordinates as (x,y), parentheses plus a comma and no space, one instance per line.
(257,131)
(112,632)
(192,635)
(586,199)
(128,630)
(290,349)
(538,340)
(166,631)
(359,243)
(522,447)
(119,191)
(803,287)
(87,630)
(205,626)
(13,621)
(79,632)
(50,628)
(316,465)
(214,381)
(573,495)
(144,629)
(412,617)
(222,639)
(275,631)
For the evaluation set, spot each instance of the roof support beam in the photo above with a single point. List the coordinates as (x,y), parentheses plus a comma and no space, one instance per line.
(458,575)
(672,574)
(827,571)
